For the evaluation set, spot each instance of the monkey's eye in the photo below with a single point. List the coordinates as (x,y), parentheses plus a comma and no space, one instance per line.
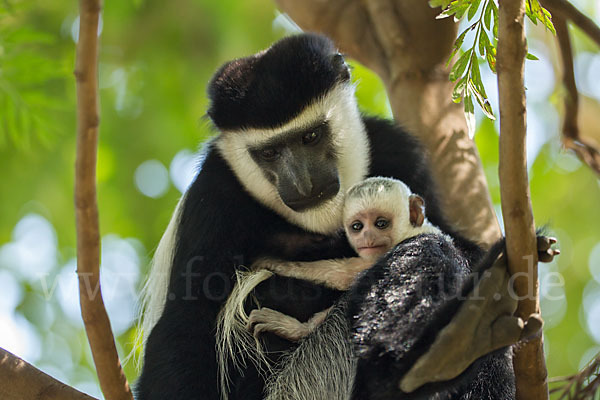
(269,154)
(311,137)
(356,226)
(382,223)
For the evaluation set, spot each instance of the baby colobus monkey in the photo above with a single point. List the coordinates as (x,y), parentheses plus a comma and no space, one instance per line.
(378,214)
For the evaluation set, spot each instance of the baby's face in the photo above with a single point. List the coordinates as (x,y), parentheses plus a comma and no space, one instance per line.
(370,233)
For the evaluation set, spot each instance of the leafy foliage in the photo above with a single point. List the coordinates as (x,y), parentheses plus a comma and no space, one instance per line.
(465,71)
(28,66)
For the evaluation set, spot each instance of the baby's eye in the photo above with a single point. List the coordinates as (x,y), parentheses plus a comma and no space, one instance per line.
(382,223)
(356,226)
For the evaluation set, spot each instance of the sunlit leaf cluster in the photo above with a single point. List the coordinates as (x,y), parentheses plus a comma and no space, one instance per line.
(483,18)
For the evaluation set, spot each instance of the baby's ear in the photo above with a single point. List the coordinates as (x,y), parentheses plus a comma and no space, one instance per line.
(416,207)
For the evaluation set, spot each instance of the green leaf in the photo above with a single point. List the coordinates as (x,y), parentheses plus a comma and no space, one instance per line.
(547,20)
(487,17)
(491,60)
(495,29)
(460,66)
(468,101)
(457,93)
(473,9)
(483,42)
(476,77)
(531,57)
(444,14)
(457,44)
(471,121)
(530,12)
(478,82)
(483,102)
(439,3)
(461,9)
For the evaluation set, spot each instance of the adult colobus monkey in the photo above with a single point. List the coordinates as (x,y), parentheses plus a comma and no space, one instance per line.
(290,142)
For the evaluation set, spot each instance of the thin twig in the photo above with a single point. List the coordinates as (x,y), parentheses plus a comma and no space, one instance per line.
(571,98)
(582,385)
(586,152)
(97,325)
(529,364)
(22,381)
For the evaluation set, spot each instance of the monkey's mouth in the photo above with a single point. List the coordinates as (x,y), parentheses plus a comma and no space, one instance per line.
(317,198)
(372,250)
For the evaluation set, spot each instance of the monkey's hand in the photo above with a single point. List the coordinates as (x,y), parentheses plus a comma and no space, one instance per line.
(544,247)
(271,264)
(268,320)
(484,323)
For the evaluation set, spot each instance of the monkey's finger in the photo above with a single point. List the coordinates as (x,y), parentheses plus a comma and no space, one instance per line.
(250,325)
(545,242)
(506,330)
(255,317)
(265,327)
(548,255)
(259,329)
(533,326)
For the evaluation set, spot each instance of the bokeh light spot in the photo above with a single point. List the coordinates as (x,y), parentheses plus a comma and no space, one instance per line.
(152,178)
(183,169)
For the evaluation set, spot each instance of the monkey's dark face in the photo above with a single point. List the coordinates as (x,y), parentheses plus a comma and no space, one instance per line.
(302,168)
(302,165)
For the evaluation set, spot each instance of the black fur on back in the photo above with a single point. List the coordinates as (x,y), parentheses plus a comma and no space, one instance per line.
(267,89)
(397,307)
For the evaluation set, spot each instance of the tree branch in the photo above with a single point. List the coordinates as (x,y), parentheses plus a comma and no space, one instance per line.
(571,98)
(22,381)
(409,54)
(529,364)
(112,379)
(571,135)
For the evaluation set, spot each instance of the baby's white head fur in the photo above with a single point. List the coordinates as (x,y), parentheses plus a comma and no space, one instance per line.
(386,194)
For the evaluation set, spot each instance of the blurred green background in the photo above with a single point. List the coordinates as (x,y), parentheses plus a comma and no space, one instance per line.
(155,61)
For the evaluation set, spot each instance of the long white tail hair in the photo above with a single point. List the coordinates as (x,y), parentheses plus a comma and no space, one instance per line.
(154,293)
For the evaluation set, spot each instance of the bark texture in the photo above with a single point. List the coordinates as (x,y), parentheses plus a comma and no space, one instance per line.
(22,381)
(97,325)
(407,47)
(529,363)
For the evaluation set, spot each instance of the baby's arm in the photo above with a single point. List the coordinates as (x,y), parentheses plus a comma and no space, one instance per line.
(336,273)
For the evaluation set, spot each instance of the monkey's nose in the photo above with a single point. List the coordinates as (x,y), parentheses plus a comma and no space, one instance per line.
(304,187)
(370,237)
